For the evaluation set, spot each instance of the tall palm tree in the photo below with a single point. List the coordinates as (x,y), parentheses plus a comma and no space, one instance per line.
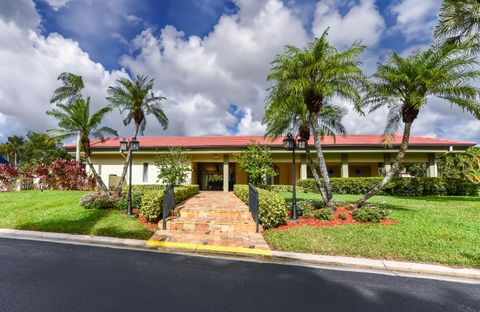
(291,115)
(137,100)
(404,85)
(459,23)
(68,93)
(14,145)
(76,118)
(317,74)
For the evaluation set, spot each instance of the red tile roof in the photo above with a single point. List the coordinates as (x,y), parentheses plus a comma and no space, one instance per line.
(242,141)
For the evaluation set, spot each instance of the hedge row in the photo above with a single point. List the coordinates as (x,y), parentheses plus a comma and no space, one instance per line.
(140,189)
(280,188)
(419,186)
(271,206)
(152,200)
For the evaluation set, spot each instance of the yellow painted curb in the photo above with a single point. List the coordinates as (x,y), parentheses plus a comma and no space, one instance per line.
(212,248)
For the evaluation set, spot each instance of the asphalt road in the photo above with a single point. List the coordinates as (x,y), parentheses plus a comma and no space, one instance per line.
(42,276)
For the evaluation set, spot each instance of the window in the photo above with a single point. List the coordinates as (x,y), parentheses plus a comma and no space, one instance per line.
(145,172)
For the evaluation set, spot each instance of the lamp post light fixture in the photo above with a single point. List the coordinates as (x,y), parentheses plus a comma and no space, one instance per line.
(291,143)
(131,146)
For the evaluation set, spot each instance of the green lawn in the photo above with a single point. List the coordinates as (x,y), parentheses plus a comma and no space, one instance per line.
(432,229)
(59,211)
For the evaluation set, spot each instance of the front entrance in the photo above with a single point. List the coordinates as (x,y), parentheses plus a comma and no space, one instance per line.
(210,176)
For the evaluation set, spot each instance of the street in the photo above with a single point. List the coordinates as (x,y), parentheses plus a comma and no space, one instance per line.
(44,276)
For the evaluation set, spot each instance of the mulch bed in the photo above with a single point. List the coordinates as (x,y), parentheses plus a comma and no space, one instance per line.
(149,225)
(336,221)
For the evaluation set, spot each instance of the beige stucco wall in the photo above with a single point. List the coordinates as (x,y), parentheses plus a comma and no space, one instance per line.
(367,163)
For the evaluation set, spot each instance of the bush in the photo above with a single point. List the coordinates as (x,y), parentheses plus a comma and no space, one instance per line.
(417,186)
(280,188)
(152,201)
(342,216)
(8,176)
(122,202)
(325,214)
(369,214)
(271,206)
(305,208)
(140,189)
(97,201)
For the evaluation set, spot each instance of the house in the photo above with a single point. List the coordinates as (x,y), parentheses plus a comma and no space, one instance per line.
(215,167)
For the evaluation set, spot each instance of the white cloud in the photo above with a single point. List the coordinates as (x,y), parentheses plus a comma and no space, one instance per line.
(57,4)
(20,12)
(228,66)
(30,65)
(361,22)
(416,19)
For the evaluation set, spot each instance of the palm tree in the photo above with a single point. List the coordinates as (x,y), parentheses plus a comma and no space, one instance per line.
(404,85)
(459,23)
(76,118)
(316,75)
(291,115)
(69,92)
(137,100)
(14,145)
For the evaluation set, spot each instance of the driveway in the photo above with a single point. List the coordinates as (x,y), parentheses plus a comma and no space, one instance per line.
(42,276)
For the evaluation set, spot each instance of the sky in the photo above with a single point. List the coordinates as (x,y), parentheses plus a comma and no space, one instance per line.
(209,58)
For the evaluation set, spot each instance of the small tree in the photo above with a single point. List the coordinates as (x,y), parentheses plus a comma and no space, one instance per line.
(174,166)
(256,162)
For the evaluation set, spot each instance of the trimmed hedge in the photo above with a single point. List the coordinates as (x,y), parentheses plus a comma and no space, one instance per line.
(152,200)
(140,189)
(271,206)
(419,186)
(280,188)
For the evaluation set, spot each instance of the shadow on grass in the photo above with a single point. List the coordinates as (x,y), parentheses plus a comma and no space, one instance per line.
(83,225)
(113,231)
(440,198)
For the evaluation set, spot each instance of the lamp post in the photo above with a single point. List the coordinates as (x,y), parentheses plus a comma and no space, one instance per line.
(131,146)
(291,143)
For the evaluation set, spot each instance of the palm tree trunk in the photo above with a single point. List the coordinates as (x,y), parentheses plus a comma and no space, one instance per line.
(316,177)
(395,167)
(99,180)
(321,160)
(118,191)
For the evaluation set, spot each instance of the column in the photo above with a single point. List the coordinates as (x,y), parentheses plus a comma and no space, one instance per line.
(387,162)
(303,167)
(432,166)
(225,173)
(344,169)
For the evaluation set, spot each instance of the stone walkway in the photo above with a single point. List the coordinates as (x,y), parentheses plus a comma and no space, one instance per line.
(213,219)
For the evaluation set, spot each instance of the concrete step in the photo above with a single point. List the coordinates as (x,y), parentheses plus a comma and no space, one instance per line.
(213,226)
(214,214)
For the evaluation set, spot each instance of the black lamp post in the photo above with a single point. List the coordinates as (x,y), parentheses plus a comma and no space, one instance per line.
(291,143)
(131,146)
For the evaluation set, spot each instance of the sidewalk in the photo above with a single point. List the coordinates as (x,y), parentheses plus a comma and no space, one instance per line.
(328,262)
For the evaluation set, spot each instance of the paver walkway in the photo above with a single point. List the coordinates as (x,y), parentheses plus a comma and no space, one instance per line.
(214,219)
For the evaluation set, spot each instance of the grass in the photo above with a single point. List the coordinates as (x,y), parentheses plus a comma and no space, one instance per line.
(59,211)
(431,229)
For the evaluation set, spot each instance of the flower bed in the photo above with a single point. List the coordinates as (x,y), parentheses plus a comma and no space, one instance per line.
(336,221)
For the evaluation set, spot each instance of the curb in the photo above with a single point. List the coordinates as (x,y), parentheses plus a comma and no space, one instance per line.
(329,262)
(395,267)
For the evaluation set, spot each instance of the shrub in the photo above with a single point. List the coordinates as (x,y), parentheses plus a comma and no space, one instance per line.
(8,176)
(62,174)
(152,201)
(97,201)
(271,206)
(417,186)
(140,189)
(305,208)
(369,214)
(122,202)
(325,214)
(342,216)
(174,166)
(280,188)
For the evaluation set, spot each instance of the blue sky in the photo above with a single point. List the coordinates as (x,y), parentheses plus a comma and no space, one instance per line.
(209,58)
(107,40)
